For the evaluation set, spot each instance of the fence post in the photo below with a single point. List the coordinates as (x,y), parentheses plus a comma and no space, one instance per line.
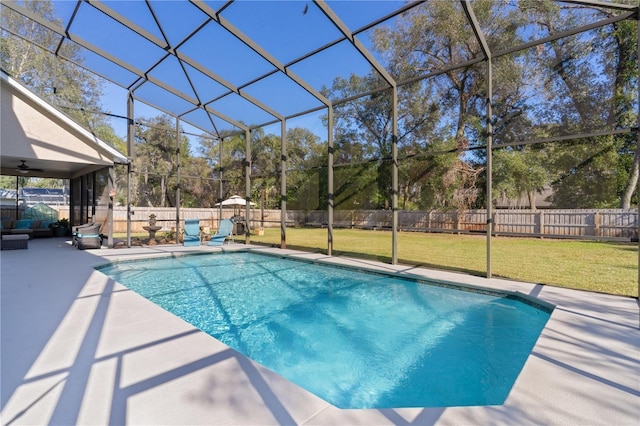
(494,222)
(429,220)
(541,222)
(597,223)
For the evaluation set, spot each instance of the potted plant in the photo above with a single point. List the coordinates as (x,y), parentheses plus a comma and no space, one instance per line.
(60,227)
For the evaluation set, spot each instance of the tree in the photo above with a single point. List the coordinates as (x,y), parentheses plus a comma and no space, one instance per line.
(518,171)
(363,130)
(59,82)
(303,149)
(230,168)
(552,89)
(590,84)
(433,37)
(586,173)
(624,37)
(5,182)
(306,163)
(265,168)
(156,162)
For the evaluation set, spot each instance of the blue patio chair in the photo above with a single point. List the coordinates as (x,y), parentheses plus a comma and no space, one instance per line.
(191,235)
(226,227)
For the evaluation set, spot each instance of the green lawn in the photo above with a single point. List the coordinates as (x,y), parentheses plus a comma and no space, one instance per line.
(589,265)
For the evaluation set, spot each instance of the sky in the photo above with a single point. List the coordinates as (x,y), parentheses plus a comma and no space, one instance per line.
(287,30)
(284,30)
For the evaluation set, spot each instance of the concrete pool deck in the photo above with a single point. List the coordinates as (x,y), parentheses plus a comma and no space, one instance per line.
(79,348)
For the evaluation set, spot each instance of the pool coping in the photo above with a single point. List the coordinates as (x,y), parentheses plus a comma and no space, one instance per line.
(79,348)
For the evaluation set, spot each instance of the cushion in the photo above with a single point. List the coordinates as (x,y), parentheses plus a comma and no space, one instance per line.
(23,224)
(15,237)
(35,224)
(1,227)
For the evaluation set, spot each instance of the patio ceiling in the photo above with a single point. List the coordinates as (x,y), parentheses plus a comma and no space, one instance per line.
(31,135)
(239,65)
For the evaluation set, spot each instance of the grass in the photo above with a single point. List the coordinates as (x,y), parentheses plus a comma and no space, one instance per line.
(607,267)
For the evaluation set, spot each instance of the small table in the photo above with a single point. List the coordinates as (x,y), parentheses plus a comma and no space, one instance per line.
(205,234)
(15,242)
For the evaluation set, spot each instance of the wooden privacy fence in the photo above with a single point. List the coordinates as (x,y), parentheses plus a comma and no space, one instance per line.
(570,223)
(588,223)
(166,217)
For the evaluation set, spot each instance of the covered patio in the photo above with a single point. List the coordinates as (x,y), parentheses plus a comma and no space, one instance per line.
(40,141)
(79,348)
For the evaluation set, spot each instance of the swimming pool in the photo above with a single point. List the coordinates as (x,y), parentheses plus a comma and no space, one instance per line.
(355,339)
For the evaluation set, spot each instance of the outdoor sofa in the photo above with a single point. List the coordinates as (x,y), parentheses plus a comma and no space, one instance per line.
(34,228)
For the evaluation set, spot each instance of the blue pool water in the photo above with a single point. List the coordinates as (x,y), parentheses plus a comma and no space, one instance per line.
(357,340)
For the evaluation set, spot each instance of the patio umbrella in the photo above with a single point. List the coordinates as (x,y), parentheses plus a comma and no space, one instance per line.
(234,201)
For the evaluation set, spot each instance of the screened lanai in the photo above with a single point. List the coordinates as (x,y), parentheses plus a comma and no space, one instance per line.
(490,120)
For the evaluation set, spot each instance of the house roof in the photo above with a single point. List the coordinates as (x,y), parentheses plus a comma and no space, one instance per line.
(45,138)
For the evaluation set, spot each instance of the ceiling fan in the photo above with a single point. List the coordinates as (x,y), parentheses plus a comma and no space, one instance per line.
(23,168)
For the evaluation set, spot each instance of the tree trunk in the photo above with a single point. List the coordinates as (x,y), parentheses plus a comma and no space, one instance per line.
(405,195)
(163,191)
(625,202)
(532,199)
